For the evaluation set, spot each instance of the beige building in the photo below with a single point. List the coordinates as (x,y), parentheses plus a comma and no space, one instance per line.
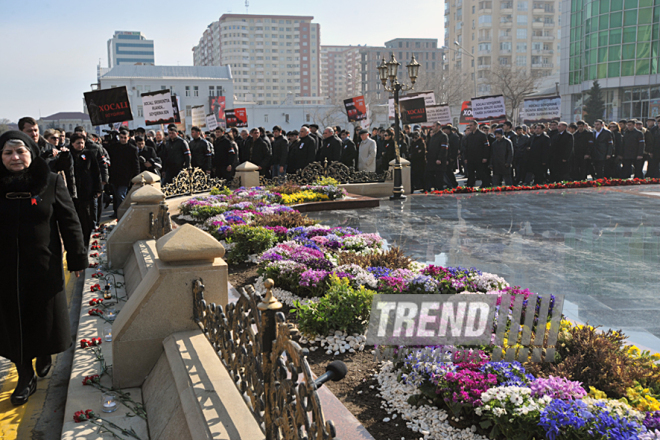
(522,34)
(348,71)
(271,56)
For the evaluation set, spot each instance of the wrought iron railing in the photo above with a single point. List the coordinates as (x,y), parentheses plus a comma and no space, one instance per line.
(336,170)
(253,341)
(191,181)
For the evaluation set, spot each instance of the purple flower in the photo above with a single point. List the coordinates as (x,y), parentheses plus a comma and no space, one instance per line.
(557,388)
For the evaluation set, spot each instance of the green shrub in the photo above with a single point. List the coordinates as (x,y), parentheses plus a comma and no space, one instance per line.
(215,191)
(248,240)
(204,213)
(324,181)
(341,308)
(595,358)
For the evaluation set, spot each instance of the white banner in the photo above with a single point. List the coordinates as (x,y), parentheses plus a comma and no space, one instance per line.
(366,123)
(489,107)
(157,107)
(198,116)
(429,99)
(211,122)
(541,110)
(437,113)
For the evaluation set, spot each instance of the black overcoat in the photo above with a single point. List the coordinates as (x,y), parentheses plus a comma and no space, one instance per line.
(35,209)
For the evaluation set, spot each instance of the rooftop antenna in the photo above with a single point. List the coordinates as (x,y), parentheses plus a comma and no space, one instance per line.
(247,5)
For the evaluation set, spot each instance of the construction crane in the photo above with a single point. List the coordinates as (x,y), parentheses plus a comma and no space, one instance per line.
(247,5)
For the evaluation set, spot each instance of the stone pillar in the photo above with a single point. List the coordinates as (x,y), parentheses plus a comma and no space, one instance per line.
(163,302)
(144,178)
(249,174)
(134,225)
(405,174)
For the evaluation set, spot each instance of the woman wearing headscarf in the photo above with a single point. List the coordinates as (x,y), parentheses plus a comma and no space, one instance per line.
(35,210)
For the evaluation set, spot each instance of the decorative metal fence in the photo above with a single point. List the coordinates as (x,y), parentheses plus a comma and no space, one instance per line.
(336,170)
(191,181)
(253,341)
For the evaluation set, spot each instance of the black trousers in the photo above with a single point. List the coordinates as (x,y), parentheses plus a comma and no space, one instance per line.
(86,213)
(477,170)
(599,169)
(653,168)
(627,170)
(434,177)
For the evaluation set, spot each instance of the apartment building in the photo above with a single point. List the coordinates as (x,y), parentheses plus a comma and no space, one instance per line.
(271,56)
(348,71)
(518,33)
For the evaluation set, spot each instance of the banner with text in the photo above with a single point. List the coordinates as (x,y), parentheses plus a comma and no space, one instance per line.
(488,108)
(198,116)
(236,117)
(108,106)
(437,113)
(413,111)
(217,106)
(157,107)
(356,109)
(429,99)
(537,110)
(211,123)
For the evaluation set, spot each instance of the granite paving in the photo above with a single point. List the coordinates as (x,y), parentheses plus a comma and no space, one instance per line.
(598,246)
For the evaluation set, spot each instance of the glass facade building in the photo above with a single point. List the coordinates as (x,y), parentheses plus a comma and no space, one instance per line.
(616,42)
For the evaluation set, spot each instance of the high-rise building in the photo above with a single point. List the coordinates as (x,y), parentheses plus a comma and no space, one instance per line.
(348,71)
(522,34)
(271,56)
(130,48)
(617,43)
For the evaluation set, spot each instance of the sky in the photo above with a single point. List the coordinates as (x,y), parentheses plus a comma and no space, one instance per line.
(50,49)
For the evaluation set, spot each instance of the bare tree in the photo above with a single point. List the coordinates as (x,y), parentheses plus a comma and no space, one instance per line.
(450,87)
(4,125)
(514,83)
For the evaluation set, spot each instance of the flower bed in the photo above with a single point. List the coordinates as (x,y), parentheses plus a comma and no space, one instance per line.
(559,185)
(598,387)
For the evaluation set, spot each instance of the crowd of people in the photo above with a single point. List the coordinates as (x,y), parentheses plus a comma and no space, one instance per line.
(101,168)
(53,186)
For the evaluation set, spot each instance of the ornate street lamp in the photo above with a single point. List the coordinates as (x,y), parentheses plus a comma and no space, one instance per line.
(388,71)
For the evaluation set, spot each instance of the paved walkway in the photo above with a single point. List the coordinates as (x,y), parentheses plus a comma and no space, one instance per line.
(600,246)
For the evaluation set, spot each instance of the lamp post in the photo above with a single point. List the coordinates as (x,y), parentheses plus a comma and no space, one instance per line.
(476,93)
(388,71)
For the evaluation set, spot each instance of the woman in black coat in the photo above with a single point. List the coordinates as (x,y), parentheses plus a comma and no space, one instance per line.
(88,184)
(417,161)
(35,209)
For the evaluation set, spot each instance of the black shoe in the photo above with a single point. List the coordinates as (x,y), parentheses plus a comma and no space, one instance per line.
(43,365)
(23,391)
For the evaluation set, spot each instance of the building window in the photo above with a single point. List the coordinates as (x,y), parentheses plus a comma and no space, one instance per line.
(522,6)
(521,60)
(521,47)
(521,34)
(522,19)
(196,91)
(211,90)
(187,90)
(485,19)
(188,111)
(266,117)
(140,112)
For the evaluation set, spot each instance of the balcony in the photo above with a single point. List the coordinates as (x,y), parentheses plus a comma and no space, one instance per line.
(542,66)
(548,52)
(549,25)
(506,10)
(538,11)
(506,25)
(505,37)
(488,38)
(505,51)
(537,25)
(447,11)
(543,37)
(483,66)
(484,52)
(485,11)
(485,25)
